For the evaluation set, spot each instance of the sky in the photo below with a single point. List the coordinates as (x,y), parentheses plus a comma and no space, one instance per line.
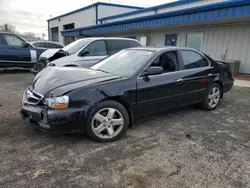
(31,15)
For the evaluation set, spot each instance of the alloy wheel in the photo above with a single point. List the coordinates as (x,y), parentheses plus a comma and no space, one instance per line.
(107,123)
(214,97)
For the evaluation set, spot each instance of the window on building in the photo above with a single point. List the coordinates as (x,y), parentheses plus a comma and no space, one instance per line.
(69,26)
(97,48)
(194,40)
(54,34)
(193,60)
(168,61)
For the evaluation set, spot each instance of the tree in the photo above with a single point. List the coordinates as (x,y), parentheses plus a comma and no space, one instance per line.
(7,28)
(29,35)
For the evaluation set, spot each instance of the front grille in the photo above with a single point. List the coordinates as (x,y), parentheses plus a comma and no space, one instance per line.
(32,97)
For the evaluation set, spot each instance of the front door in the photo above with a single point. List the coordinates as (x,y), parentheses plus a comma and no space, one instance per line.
(171,40)
(160,92)
(96,51)
(6,53)
(21,55)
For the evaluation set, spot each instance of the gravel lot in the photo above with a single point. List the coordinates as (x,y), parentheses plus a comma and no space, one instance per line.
(187,147)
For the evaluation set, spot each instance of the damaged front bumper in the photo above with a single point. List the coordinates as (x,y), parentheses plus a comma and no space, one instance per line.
(55,121)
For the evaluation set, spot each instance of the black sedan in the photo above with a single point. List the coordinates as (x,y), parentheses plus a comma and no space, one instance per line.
(104,100)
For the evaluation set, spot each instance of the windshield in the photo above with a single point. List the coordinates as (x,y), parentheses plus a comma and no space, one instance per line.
(124,63)
(76,46)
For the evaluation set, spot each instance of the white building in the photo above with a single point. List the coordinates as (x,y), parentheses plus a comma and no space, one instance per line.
(83,17)
(220,28)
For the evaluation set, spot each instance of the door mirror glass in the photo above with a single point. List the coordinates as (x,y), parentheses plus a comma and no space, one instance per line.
(84,53)
(25,45)
(154,70)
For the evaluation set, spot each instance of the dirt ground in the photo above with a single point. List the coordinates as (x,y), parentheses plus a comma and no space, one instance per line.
(187,147)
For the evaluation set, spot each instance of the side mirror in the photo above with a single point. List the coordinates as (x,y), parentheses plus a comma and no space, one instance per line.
(153,71)
(84,52)
(25,45)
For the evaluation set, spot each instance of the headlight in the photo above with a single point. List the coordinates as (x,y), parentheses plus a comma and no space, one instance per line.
(57,102)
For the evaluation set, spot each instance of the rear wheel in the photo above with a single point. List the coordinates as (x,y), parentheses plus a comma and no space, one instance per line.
(108,121)
(212,98)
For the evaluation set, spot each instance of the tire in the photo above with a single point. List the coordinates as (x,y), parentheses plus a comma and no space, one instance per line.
(101,120)
(206,104)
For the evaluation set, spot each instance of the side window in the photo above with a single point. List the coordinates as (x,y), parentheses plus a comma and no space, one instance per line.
(38,44)
(13,40)
(134,44)
(2,40)
(168,61)
(116,45)
(193,60)
(97,48)
(48,45)
(57,46)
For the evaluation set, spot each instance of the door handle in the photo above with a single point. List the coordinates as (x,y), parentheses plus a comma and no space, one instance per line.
(180,80)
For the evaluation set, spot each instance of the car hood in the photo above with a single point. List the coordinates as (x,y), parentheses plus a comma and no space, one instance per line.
(52,78)
(49,53)
(64,61)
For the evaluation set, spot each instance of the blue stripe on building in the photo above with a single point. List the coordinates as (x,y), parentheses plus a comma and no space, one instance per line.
(206,12)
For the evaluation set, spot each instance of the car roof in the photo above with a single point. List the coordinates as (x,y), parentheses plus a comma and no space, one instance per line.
(111,38)
(7,33)
(162,48)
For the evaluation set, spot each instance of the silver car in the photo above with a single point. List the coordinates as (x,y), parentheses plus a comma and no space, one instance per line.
(84,52)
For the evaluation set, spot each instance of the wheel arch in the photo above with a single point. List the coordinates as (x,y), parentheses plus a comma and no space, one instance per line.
(125,105)
(221,85)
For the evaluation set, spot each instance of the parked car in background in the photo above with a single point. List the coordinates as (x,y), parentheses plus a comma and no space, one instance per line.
(47,44)
(17,52)
(84,52)
(103,100)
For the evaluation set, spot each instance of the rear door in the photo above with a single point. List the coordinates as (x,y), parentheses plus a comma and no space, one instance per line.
(97,51)
(196,73)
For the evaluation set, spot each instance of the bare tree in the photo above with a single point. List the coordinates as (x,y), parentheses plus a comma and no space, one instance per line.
(29,35)
(8,28)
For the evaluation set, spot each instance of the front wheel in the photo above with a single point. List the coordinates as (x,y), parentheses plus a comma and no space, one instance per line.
(108,121)
(212,98)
